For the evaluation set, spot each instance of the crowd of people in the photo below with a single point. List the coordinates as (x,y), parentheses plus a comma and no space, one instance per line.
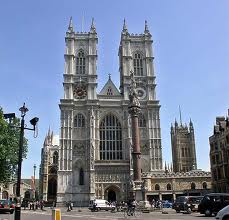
(33,204)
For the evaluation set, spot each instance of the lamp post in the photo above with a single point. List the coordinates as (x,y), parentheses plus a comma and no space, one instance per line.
(34,178)
(23,110)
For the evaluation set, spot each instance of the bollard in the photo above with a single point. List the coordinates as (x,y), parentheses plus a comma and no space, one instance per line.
(56,214)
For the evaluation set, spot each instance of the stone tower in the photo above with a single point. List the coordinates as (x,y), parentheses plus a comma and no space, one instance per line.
(135,53)
(183,147)
(95,135)
(76,164)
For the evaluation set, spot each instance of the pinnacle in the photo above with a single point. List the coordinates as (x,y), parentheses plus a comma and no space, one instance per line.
(124,29)
(70,26)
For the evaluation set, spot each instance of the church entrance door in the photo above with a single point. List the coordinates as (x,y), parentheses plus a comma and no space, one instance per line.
(111,196)
(52,189)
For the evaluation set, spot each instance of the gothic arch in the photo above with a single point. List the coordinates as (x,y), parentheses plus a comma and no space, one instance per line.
(138,63)
(80,62)
(157,187)
(81,49)
(114,112)
(138,52)
(79,120)
(112,186)
(205,185)
(112,193)
(193,185)
(78,173)
(78,163)
(169,187)
(55,157)
(142,120)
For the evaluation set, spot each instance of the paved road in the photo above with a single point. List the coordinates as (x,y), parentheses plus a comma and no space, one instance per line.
(103,215)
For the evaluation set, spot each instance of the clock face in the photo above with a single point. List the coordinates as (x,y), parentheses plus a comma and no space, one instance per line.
(79,93)
(141,93)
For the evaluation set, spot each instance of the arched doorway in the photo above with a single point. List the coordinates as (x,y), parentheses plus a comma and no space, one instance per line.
(52,189)
(111,195)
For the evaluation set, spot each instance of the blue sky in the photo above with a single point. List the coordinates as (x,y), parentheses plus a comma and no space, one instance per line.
(191,50)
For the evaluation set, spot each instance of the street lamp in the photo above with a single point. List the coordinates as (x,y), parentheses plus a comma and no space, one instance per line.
(34,179)
(23,110)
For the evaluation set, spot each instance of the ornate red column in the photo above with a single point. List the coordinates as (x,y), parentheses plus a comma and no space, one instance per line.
(136,154)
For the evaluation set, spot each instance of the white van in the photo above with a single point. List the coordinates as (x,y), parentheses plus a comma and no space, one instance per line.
(100,204)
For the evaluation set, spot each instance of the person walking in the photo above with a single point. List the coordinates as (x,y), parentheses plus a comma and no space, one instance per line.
(69,206)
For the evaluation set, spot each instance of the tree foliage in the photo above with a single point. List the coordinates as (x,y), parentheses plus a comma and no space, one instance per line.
(9,147)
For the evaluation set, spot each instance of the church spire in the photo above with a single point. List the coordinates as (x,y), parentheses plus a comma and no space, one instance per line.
(146,28)
(70,26)
(124,29)
(93,29)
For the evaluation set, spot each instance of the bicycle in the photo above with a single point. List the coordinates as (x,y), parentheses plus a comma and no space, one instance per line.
(131,211)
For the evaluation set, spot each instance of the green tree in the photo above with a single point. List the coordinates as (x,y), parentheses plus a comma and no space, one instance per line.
(9,146)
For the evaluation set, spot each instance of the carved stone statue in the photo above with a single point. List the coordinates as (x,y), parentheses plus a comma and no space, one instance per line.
(133,96)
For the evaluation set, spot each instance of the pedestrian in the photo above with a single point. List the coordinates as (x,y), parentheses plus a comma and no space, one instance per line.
(42,205)
(69,206)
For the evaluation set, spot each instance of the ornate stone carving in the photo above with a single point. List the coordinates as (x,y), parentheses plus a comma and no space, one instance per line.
(78,149)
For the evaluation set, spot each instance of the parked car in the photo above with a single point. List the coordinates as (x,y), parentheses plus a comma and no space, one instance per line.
(7,206)
(167,204)
(187,203)
(144,205)
(223,214)
(212,203)
(100,204)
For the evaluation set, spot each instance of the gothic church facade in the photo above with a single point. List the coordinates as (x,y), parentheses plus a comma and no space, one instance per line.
(95,134)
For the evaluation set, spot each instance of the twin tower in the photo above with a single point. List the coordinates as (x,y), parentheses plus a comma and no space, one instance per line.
(95,136)
(95,149)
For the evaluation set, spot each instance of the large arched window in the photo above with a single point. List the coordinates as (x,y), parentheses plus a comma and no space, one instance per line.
(193,186)
(79,121)
(80,63)
(81,177)
(141,121)
(110,138)
(55,157)
(138,64)
(157,187)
